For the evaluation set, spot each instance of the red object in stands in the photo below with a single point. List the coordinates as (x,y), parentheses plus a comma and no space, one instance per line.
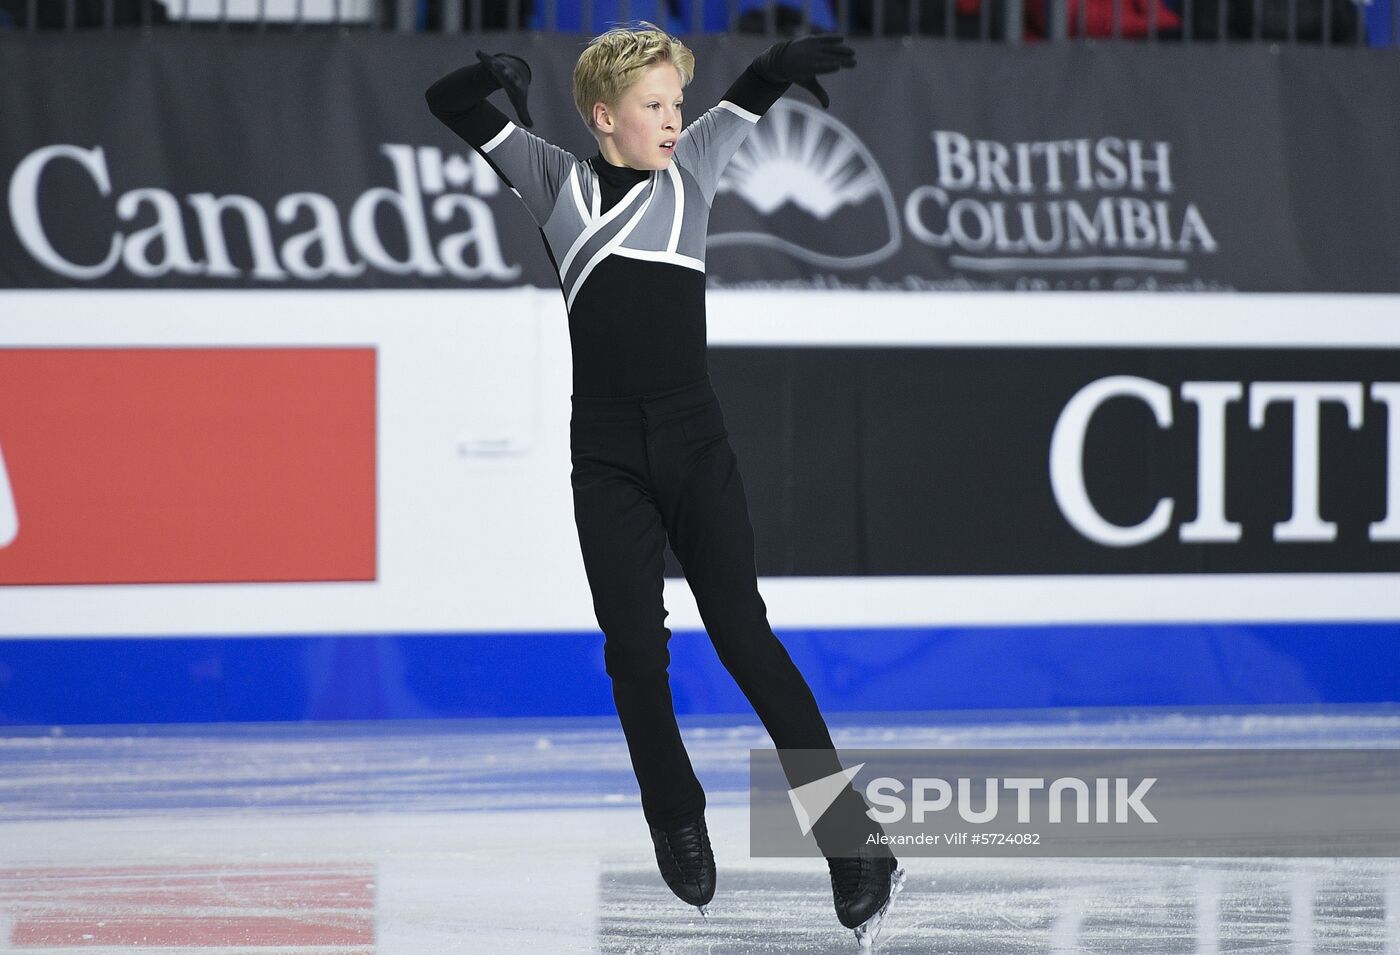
(1097,19)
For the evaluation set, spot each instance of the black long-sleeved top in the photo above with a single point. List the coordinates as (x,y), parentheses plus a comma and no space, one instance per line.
(627,244)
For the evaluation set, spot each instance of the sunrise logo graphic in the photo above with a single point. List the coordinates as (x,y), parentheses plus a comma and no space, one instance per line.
(822,194)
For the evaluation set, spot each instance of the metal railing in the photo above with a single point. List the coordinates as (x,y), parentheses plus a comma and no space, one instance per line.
(1322,22)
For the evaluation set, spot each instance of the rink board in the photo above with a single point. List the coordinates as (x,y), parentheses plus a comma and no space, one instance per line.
(478,604)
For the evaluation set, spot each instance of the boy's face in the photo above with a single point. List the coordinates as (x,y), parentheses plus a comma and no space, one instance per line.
(645,117)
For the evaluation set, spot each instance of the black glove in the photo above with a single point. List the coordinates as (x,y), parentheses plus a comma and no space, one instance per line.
(799,60)
(513,74)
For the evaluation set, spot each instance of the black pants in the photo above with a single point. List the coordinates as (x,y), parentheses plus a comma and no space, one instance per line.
(646,468)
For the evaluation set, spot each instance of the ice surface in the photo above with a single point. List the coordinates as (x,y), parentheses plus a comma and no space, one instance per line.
(526,837)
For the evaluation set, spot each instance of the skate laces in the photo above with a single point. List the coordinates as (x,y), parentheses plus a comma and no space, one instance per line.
(687,846)
(849,874)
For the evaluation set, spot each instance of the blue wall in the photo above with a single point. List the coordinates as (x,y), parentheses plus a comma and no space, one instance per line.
(406,676)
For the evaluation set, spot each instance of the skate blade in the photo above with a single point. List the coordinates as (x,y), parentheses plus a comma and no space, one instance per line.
(868,931)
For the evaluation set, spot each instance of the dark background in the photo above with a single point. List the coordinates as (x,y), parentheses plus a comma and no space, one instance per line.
(935,460)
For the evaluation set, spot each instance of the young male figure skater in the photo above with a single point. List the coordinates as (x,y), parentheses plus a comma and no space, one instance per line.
(651,458)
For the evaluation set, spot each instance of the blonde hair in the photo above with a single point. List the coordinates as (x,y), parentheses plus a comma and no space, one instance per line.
(614,60)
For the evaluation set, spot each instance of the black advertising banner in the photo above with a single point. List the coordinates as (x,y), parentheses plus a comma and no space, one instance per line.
(312,162)
(1073,460)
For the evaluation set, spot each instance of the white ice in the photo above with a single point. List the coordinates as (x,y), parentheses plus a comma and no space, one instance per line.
(527,837)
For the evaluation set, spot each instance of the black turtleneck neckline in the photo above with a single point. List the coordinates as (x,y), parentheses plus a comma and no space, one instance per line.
(618,174)
(616,181)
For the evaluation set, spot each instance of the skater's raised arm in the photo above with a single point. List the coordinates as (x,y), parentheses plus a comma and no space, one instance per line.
(532,167)
(800,60)
(459,100)
(706,145)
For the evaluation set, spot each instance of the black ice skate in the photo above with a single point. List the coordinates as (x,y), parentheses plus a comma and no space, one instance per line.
(863,887)
(687,862)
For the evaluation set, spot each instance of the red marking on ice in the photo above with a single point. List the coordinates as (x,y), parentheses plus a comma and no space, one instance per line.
(205,932)
(286,907)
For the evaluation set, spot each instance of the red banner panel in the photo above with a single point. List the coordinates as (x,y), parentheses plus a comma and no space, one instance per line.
(186,465)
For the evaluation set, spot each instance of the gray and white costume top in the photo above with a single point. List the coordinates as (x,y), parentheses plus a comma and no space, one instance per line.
(628,244)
